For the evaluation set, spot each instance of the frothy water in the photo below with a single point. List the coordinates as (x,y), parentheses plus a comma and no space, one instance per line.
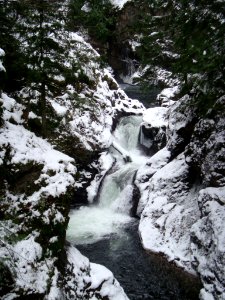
(106,234)
(111,215)
(90,224)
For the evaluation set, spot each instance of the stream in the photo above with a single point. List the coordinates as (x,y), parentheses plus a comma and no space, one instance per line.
(107,234)
(147,96)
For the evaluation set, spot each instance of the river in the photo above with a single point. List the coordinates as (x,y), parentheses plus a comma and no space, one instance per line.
(107,234)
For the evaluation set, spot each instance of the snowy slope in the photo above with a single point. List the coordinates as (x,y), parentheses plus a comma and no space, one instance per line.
(182,194)
(38,180)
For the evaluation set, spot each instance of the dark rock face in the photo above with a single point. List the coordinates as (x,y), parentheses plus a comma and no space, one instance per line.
(157,137)
(120,53)
(206,151)
(6,279)
(205,154)
(182,119)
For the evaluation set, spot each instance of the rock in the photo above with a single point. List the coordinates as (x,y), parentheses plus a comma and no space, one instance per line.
(182,202)
(85,280)
(208,240)
(206,151)
(170,211)
(182,119)
(153,128)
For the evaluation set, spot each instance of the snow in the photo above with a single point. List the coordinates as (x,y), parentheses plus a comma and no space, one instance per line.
(209,231)
(60,109)
(119,3)
(26,147)
(170,209)
(155,117)
(93,279)
(11,109)
(32,272)
(110,287)
(86,8)
(2,53)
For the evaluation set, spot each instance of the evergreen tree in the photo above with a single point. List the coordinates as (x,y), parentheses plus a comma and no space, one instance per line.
(44,40)
(14,60)
(200,43)
(98,16)
(187,38)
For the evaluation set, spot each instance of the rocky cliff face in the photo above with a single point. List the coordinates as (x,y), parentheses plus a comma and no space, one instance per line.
(182,187)
(40,178)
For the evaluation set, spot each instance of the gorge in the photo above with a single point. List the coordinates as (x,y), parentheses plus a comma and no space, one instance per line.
(112,134)
(106,231)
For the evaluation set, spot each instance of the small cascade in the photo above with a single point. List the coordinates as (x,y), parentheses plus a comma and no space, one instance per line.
(107,234)
(112,212)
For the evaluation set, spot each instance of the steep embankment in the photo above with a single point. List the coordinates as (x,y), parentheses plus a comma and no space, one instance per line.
(40,177)
(182,191)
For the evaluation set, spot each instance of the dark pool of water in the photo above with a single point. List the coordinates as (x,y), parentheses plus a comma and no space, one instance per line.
(142,275)
(147,97)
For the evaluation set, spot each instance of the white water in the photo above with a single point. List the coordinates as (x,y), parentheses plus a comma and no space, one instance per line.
(110,216)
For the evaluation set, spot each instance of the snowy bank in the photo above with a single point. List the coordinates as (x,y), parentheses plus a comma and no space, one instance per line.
(182,195)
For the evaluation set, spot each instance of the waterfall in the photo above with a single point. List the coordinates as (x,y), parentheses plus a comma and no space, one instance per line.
(112,212)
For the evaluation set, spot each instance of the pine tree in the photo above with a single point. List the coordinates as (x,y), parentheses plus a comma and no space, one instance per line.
(187,38)
(98,16)
(14,60)
(44,39)
(199,42)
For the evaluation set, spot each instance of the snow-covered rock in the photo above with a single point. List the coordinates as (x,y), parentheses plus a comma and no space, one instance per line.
(166,97)
(205,155)
(208,242)
(91,281)
(205,152)
(36,181)
(153,128)
(169,213)
(182,119)
(142,181)
(182,199)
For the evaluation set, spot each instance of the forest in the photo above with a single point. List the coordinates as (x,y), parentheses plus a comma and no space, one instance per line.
(62,119)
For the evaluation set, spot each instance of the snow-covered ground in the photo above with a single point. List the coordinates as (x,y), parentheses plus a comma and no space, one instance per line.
(182,193)
(39,177)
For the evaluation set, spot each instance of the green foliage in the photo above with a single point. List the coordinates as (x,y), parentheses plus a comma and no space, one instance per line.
(98,16)
(187,38)
(14,61)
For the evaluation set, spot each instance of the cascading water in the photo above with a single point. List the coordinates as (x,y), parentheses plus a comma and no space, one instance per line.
(107,235)
(112,213)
